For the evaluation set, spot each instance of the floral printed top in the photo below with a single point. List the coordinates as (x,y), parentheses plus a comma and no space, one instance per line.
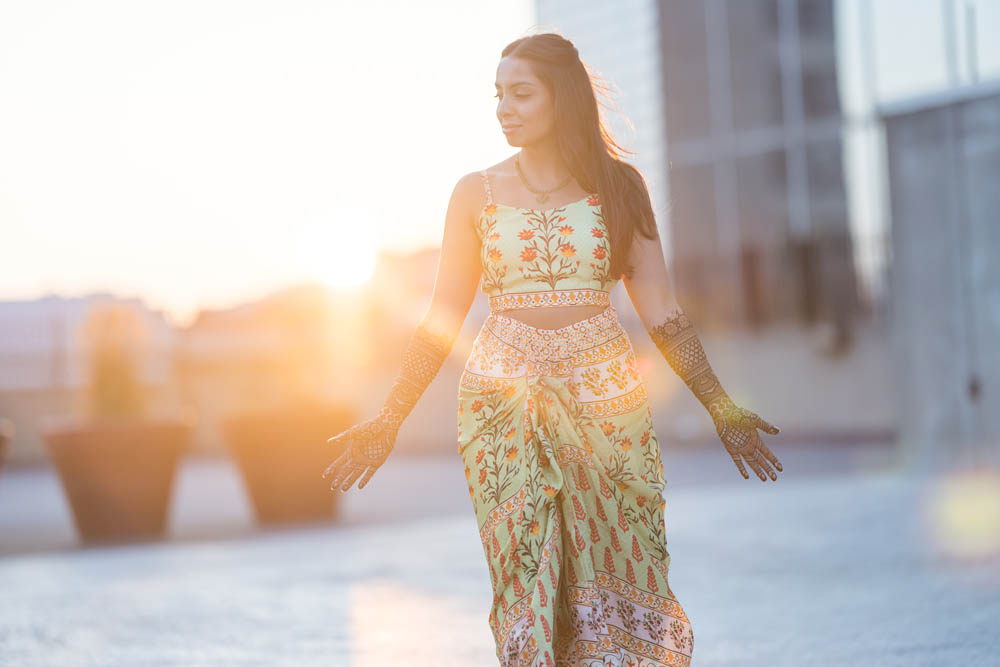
(557,256)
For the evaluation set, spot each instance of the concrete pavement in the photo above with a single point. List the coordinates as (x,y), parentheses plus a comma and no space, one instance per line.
(839,563)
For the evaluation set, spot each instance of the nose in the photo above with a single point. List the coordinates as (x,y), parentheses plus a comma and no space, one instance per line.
(501,110)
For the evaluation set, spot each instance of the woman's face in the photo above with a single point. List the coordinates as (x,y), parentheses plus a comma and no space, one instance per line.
(524,103)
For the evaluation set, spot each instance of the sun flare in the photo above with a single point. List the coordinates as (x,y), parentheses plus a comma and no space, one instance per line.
(339,250)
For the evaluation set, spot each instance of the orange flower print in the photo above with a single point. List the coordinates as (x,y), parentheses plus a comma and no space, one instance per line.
(511,454)
(645,438)
(509,390)
(640,501)
(600,252)
(477,406)
(550,490)
(568,250)
(566,230)
(528,254)
(622,486)
(606,427)
(597,232)
(534,527)
(495,255)
(586,446)
(490,210)
(480,455)
(510,434)
(467,472)
(627,444)
(482,475)
(594,200)
(633,366)
(494,236)
(526,234)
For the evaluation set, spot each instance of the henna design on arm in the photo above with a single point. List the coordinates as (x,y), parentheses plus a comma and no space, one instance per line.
(371,442)
(677,341)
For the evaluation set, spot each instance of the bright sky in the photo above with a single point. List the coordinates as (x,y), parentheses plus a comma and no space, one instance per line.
(197,154)
(203,153)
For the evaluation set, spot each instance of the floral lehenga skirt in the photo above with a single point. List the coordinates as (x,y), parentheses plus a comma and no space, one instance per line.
(565,475)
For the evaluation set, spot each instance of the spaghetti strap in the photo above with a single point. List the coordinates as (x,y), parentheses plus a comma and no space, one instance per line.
(486,182)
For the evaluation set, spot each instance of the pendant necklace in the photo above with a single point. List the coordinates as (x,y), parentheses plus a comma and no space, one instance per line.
(542,195)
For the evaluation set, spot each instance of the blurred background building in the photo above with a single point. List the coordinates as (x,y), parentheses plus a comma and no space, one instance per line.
(943,154)
(799,154)
(742,101)
(779,208)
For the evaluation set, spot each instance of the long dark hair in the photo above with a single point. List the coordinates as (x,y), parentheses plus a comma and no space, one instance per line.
(586,146)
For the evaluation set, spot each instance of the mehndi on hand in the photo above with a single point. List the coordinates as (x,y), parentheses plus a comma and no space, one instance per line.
(737,428)
(369,443)
(368,446)
(677,341)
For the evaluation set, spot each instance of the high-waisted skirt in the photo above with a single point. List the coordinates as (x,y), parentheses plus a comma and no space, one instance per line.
(565,475)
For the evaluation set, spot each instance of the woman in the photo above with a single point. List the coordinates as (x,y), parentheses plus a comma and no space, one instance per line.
(554,427)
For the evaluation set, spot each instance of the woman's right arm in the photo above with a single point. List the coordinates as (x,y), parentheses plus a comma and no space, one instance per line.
(459,267)
(458,273)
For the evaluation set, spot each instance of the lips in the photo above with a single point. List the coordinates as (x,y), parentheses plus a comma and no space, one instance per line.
(510,127)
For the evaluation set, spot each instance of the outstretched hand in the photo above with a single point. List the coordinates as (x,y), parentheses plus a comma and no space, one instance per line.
(368,446)
(737,427)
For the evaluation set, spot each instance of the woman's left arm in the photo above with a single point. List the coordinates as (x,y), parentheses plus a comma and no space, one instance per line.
(674,336)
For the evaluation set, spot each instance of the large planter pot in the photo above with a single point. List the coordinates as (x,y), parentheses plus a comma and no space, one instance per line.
(118,472)
(282,454)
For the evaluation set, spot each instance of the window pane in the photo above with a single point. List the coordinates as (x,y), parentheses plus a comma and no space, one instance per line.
(762,198)
(818,47)
(685,70)
(754,65)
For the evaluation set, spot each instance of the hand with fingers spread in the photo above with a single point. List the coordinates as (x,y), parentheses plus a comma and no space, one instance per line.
(676,340)
(737,427)
(369,443)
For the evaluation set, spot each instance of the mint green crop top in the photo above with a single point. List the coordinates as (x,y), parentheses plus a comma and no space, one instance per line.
(536,258)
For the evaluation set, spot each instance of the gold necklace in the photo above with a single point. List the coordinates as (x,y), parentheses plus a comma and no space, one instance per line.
(543,195)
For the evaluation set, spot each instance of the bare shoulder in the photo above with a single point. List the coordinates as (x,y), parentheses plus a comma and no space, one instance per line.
(469,195)
(470,190)
(502,169)
(473,186)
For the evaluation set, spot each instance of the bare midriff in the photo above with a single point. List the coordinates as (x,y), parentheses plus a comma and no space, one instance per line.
(554,317)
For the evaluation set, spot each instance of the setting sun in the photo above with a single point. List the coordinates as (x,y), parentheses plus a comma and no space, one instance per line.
(338,249)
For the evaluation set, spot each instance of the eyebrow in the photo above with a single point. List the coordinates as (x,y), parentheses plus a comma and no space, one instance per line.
(516,83)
